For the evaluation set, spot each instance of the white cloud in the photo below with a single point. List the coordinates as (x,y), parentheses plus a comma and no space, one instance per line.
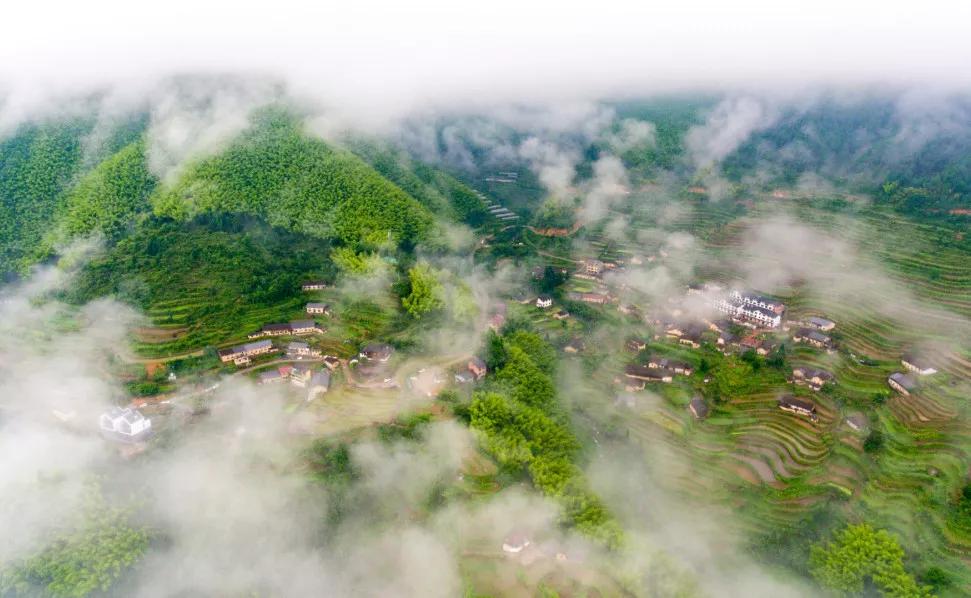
(378,58)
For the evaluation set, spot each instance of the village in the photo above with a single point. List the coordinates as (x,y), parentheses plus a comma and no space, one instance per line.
(730,321)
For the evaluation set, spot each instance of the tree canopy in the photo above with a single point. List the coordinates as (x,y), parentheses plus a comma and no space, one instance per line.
(860,555)
(425,291)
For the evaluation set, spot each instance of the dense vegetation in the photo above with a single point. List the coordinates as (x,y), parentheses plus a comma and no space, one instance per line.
(84,558)
(302,184)
(38,164)
(871,144)
(523,426)
(860,555)
(436,190)
(207,274)
(108,198)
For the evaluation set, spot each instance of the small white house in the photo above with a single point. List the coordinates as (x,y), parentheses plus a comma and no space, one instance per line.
(515,543)
(544,302)
(125,424)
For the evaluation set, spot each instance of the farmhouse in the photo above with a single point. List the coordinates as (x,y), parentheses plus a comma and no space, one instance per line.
(820,323)
(314,285)
(318,308)
(902,383)
(594,267)
(647,374)
(917,364)
(561,315)
(332,362)
(544,301)
(271,330)
(691,336)
(798,406)
(477,366)
(812,337)
(663,363)
(814,379)
(857,422)
(305,327)
(270,376)
(377,352)
(126,425)
(635,345)
(241,354)
(726,339)
(672,329)
(300,349)
(300,374)
(319,384)
(698,408)
(595,298)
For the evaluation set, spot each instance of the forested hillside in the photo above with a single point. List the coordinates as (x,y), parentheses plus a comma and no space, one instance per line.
(109,197)
(299,183)
(920,167)
(38,163)
(436,190)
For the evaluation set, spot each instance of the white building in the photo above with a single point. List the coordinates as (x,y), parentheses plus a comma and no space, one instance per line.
(756,309)
(125,424)
(544,301)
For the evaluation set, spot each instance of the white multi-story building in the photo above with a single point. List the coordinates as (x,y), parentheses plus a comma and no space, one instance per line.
(761,311)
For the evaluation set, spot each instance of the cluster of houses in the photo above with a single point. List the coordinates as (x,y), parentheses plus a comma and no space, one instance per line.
(314,285)
(916,366)
(813,337)
(811,377)
(294,328)
(301,350)
(655,369)
(376,352)
(300,375)
(750,309)
(798,406)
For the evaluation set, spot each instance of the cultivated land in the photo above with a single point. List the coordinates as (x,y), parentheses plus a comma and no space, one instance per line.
(782,475)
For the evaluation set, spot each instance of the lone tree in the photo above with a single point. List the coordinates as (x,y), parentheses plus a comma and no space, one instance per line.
(860,555)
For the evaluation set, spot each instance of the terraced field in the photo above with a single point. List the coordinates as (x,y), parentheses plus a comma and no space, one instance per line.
(775,468)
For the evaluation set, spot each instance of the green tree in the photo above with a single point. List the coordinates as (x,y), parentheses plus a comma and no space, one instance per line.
(495,351)
(874,442)
(732,378)
(529,384)
(859,555)
(425,291)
